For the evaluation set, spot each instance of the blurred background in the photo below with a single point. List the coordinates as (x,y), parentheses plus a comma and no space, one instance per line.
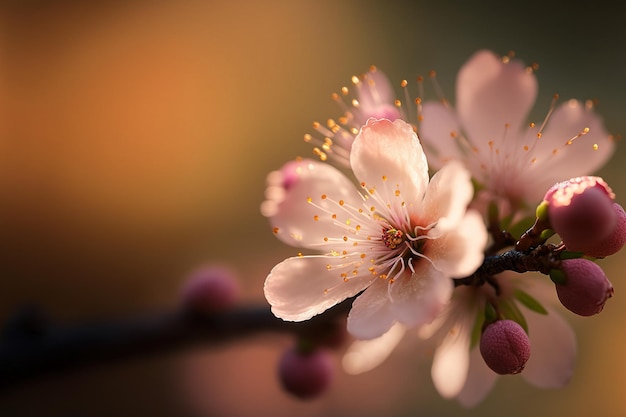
(135,138)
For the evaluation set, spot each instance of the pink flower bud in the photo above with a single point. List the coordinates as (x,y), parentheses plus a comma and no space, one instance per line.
(210,289)
(615,241)
(581,211)
(505,347)
(306,374)
(584,288)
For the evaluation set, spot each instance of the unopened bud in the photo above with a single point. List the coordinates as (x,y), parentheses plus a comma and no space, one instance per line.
(615,241)
(210,289)
(505,347)
(581,211)
(582,287)
(306,374)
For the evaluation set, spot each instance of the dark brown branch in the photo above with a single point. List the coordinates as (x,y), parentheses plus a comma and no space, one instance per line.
(541,259)
(30,346)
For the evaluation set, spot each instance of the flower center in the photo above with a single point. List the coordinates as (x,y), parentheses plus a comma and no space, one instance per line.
(392,237)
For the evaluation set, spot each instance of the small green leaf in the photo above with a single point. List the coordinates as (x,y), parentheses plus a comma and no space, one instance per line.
(520,227)
(566,254)
(493,212)
(510,311)
(558,276)
(490,312)
(477,329)
(530,302)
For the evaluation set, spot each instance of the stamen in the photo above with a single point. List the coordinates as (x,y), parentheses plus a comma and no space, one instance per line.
(582,133)
(438,90)
(555,98)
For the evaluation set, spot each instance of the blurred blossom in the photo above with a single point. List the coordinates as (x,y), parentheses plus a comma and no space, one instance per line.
(514,161)
(458,370)
(399,243)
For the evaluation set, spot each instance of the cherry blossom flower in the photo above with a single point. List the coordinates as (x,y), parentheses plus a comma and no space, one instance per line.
(514,160)
(459,370)
(371,95)
(396,241)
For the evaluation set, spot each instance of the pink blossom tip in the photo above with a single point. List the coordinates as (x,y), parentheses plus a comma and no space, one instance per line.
(581,211)
(505,347)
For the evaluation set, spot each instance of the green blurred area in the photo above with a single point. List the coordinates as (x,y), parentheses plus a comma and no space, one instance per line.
(136,138)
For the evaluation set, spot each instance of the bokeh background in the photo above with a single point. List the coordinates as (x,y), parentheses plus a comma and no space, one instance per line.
(135,138)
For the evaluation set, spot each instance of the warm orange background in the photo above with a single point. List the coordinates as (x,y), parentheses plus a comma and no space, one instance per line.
(134,142)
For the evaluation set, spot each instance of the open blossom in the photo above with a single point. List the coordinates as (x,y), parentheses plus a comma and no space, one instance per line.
(396,241)
(459,370)
(371,95)
(516,161)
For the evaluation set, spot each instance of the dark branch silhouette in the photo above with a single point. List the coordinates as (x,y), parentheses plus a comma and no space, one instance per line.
(32,346)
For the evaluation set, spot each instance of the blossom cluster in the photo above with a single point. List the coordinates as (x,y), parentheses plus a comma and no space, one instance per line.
(425,220)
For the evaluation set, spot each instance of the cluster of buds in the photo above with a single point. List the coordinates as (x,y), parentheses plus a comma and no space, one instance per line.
(591,225)
(582,211)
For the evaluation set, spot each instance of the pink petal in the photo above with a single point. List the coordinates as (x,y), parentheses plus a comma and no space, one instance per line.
(419,297)
(553,353)
(364,355)
(449,192)
(491,94)
(480,381)
(387,156)
(460,251)
(451,361)
(557,160)
(292,215)
(376,97)
(301,287)
(371,314)
(437,131)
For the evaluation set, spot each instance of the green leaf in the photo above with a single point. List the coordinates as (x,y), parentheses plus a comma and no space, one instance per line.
(558,276)
(490,312)
(477,329)
(567,254)
(510,311)
(530,302)
(520,227)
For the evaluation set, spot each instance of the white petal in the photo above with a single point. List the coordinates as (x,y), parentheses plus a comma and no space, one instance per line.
(438,132)
(449,192)
(451,361)
(419,297)
(553,350)
(371,314)
(491,94)
(301,287)
(364,355)
(460,252)
(387,156)
(293,216)
(480,381)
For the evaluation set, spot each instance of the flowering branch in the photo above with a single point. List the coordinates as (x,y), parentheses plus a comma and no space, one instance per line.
(31,346)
